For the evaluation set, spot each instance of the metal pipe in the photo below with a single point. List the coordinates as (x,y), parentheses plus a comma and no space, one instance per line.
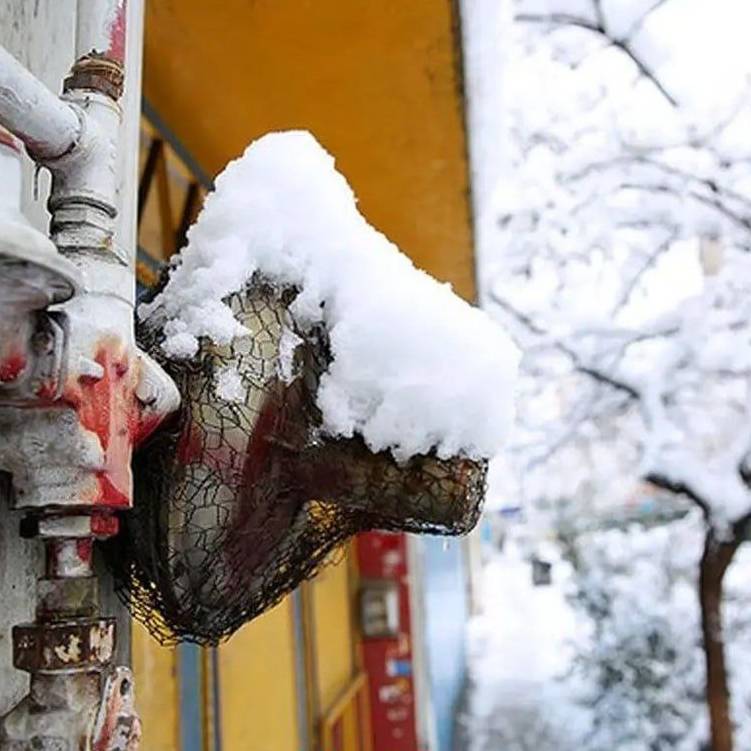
(10,173)
(69,558)
(48,126)
(78,471)
(100,29)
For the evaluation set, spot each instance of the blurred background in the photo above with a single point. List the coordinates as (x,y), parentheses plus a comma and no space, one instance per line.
(613,225)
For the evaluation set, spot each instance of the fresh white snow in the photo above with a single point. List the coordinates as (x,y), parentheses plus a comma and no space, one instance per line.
(415,368)
(229,386)
(616,251)
(519,651)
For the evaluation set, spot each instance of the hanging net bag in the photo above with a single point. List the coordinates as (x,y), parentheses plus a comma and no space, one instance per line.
(238,499)
(311,411)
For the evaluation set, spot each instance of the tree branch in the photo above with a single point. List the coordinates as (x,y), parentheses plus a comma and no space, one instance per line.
(567,19)
(609,380)
(636,26)
(679,488)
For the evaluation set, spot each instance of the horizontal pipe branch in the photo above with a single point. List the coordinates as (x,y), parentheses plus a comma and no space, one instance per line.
(47,125)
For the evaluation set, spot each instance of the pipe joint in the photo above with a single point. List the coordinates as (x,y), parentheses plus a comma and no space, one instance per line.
(96,72)
(84,192)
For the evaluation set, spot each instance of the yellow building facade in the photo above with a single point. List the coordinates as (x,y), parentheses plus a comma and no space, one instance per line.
(379,85)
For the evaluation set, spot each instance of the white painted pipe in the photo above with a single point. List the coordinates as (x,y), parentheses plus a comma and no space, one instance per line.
(100,29)
(48,126)
(10,176)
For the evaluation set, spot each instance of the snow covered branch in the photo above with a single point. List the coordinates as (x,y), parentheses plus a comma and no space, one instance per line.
(624,254)
(600,27)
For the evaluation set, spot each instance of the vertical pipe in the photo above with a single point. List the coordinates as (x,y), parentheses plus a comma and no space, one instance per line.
(126,231)
(216,700)
(100,29)
(302,688)
(90,186)
(10,174)
(191,706)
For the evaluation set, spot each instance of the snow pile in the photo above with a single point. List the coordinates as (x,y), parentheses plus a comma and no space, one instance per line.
(519,647)
(609,655)
(414,367)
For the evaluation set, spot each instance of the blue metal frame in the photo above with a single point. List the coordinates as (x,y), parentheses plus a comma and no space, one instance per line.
(189,685)
(301,688)
(177,146)
(446,613)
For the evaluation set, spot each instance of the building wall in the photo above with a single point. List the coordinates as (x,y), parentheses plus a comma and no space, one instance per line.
(333,633)
(157,696)
(257,673)
(272,683)
(378,84)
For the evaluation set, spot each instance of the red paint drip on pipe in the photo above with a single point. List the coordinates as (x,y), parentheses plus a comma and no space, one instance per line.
(12,367)
(117,32)
(104,525)
(107,407)
(85,550)
(145,427)
(110,495)
(46,391)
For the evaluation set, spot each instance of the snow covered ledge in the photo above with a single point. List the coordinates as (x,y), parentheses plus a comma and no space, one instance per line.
(414,368)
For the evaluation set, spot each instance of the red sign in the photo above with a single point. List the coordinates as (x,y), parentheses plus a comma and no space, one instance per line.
(382,559)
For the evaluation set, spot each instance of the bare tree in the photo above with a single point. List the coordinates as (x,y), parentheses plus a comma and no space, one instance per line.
(521,727)
(624,266)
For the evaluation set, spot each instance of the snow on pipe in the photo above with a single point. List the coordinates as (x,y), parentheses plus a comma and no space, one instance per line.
(48,126)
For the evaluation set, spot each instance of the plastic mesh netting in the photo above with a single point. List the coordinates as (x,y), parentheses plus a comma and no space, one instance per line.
(238,498)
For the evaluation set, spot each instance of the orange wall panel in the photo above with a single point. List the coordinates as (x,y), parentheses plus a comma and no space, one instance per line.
(378,84)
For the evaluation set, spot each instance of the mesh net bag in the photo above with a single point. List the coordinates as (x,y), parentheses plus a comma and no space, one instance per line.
(238,497)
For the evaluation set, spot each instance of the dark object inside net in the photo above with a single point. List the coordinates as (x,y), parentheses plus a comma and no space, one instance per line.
(238,498)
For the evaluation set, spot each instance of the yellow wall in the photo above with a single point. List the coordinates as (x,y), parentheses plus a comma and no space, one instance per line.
(257,685)
(257,672)
(376,81)
(333,633)
(155,669)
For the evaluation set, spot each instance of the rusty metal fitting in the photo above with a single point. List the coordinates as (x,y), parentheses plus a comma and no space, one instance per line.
(96,72)
(82,645)
(66,711)
(117,726)
(63,599)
